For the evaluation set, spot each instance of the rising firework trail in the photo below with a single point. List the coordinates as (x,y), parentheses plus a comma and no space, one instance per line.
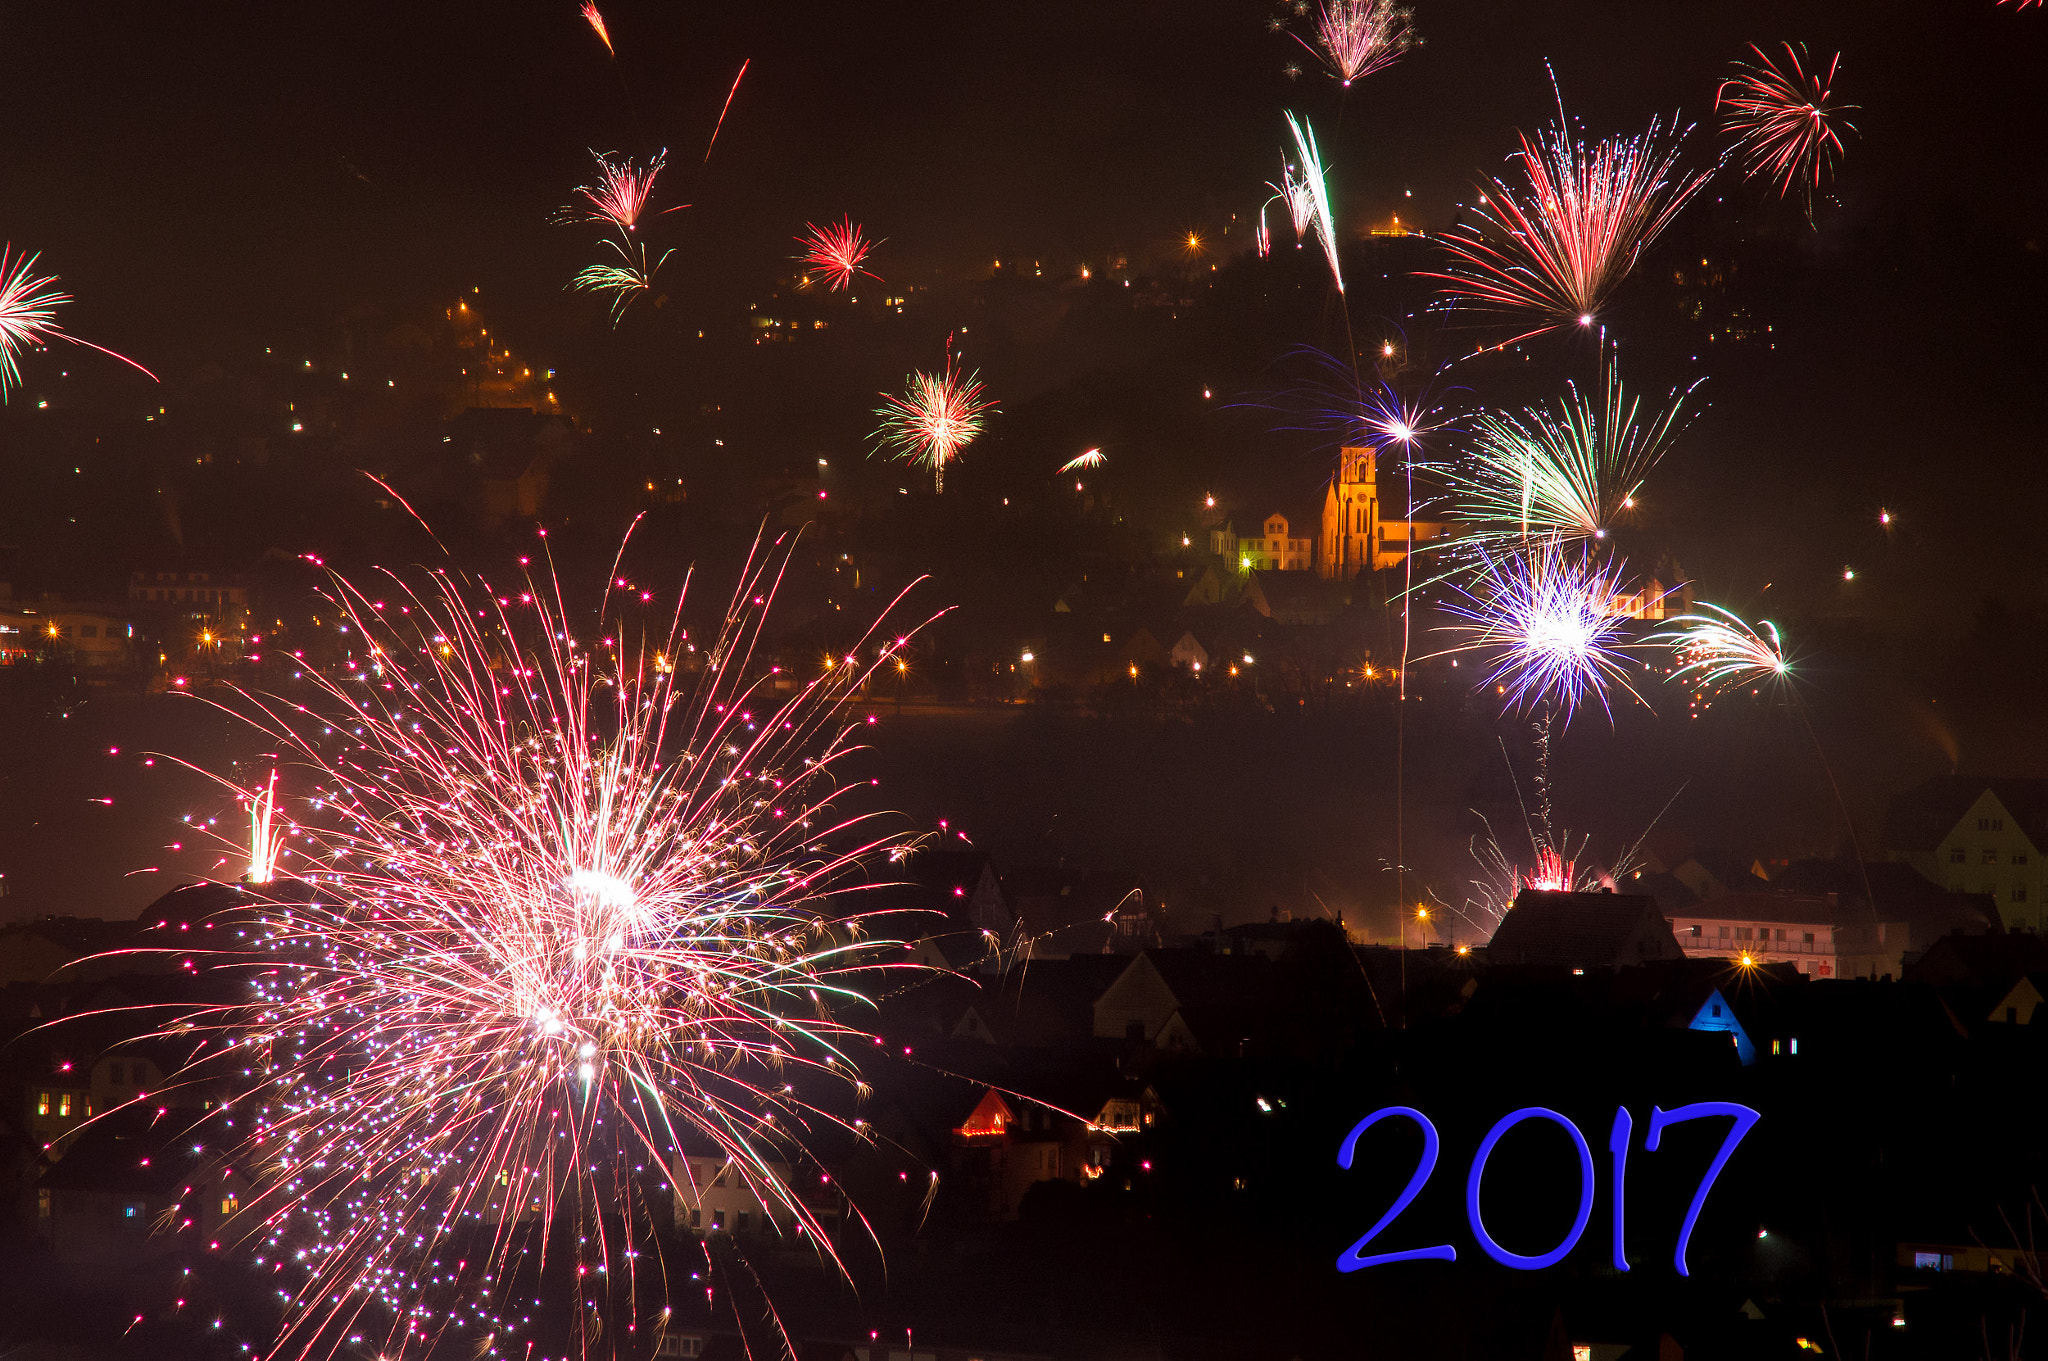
(1315,188)
(1573,469)
(28,316)
(1542,616)
(836,252)
(938,415)
(1355,38)
(1785,119)
(567,892)
(1554,247)
(726,108)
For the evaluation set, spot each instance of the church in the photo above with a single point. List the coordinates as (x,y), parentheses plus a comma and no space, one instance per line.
(1356,537)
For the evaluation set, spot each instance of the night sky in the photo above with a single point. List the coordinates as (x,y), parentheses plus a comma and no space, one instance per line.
(210,179)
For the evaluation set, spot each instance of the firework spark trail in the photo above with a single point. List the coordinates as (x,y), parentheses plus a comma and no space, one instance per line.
(1359,37)
(726,108)
(1572,469)
(1093,458)
(837,252)
(263,834)
(565,904)
(1784,118)
(1315,188)
(619,197)
(937,416)
(28,316)
(596,22)
(1559,245)
(1543,616)
(1718,651)
(1299,198)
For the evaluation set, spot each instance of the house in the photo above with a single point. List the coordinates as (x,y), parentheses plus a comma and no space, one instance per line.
(1188,651)
(714,1194)
(1292,599)
(1274,549)
(1774,928)
(1716,1017)
(1971,834)
(2020,1002)
(1185,1001)
(1009,1143)
(962,915)
(1582,931)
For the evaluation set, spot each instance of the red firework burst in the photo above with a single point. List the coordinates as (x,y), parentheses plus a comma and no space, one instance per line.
(1784,118)
(937,416)
(836,252)
(1560,245)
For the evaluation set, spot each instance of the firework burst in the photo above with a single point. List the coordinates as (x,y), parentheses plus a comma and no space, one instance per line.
(566,893)
(1543,617)
(1572,470)
(836,252)
(938,415)
(28,316)
(619,196)
(1785,119)
(1314,191)
(1359,37)
(1093,458)
(1717,651)
(1557,246)
(625,281)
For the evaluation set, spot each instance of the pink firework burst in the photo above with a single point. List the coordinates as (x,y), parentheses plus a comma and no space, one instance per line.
(837,252)
(596,22)
(621,192)
(28,316)
(563,894)
(1559,245)
(938,415)
(1784,118)
(1359,37)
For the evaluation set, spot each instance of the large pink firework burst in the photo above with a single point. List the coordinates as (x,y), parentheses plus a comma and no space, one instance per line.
(1558,245)
(1359,37)
(560,890)
(28,316)
(1784,118)
(837,251)
(937,416)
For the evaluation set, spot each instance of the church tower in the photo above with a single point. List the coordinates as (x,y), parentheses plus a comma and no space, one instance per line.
(1351,515)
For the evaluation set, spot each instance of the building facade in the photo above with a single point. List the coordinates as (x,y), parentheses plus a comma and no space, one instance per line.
(1274,549)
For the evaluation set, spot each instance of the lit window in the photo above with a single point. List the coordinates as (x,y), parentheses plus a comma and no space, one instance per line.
(64,1103)
(228,1203)
(42,1103)
(132,1210)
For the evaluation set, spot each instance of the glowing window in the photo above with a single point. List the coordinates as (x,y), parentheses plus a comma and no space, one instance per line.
(42,1103)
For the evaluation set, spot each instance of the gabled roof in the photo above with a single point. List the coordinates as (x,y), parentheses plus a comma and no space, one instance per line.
(1582,930)
(1920,818)
(1766,907)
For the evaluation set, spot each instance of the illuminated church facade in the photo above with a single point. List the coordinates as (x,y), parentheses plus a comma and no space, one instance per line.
(1356,535)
